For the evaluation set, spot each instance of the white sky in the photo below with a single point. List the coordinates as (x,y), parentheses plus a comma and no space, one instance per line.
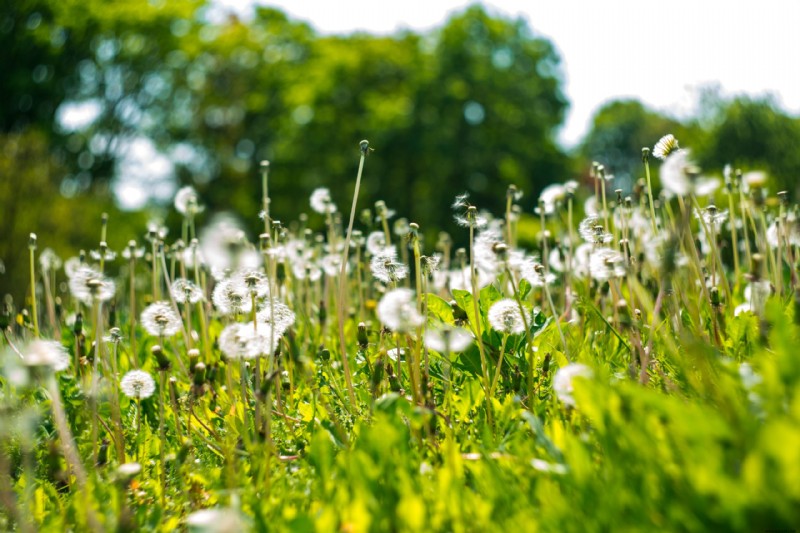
(659,52)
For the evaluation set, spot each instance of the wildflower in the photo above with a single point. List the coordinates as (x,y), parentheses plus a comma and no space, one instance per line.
(231,298)
(321,201)
(233,340)
(132,252)
(376,242)
(460,279)
(46,353)
(593,232)
(386,268)
(605,263)
(550,197)
(332,264)
(505,316)
(244,341)
(401,227)
(49,261)
(187,201)
(563,384)
(536,275)
(448,339)
(466,214)
(712,216)
(103,254)
(185,291)
(215,521)
(89,286)
(674,173)
(223,245)
(397,310)
(254,282)
(784,231)
(159,319)
(461,201)
(276,314)
(430,263)
(114,336)
(665,146)
(128,470)
(137,384)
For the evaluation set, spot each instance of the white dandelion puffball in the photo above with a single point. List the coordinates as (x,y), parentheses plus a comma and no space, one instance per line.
(674,173)
(231,298)
(453,340)
(397,310)
(45,353)
(187,201)
(505,316)
(89,286)
(185,291)
(277,315)
(137,384)
(159,319)
(321,201)
(562,381)
(215,521)
(386,268)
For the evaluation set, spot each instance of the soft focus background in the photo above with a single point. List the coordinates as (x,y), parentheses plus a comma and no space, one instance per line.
(111,106)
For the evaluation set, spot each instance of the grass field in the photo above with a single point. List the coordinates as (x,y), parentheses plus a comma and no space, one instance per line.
(637,371)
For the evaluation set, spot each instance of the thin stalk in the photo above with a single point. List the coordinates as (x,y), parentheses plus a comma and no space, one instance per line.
(734,238)
(364,146)
(646,159)
(162,434)
(500,359)
(34,312)
(132,310)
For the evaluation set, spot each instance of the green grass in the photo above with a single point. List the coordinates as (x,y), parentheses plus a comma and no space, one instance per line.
(688,419)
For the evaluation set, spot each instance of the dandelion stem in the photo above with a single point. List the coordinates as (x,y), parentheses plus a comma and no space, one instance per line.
(364,146)
(34,312)
(646,159)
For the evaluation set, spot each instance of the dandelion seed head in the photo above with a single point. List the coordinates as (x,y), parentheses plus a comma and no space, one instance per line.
(550,197)
(187,201)
(563,381)
(159,319)
(277,314)
(137,384)
(49,260)
(46,353)
(231,298)
(605,264)
(88,285)
(448,339)
(386,268)
(185,291)
(505,316)
(376,242)
(397,310)
(103,254)
(321,201)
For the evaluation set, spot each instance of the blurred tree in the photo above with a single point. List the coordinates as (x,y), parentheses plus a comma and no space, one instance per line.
(753,133)
(620,129)
(470,106)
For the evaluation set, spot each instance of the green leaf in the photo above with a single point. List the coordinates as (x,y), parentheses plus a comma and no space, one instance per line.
(439,308)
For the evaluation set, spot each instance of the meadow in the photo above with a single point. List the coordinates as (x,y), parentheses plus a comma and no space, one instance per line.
(636,369)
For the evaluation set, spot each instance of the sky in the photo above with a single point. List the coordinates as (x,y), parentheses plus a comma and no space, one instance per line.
(660,52)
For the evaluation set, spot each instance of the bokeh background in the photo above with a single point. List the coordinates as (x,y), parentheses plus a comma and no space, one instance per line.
(111,106)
